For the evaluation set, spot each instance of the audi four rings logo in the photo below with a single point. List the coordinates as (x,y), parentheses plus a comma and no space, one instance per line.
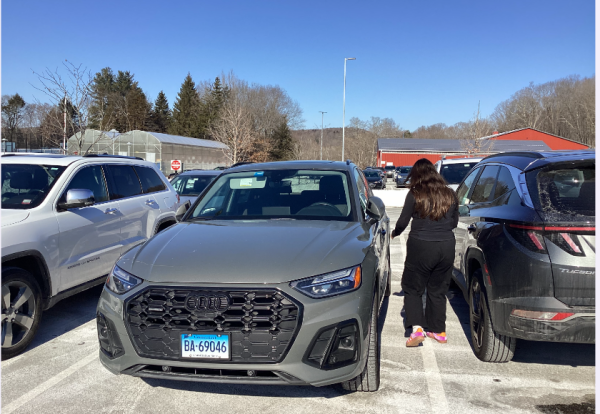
(207,302)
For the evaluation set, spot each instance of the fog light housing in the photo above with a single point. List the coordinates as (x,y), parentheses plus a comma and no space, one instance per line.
(110,343)
(335,346)
(541,316)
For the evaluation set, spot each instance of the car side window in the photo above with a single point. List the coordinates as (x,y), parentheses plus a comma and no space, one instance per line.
(363,193)
(485,185)
(504,184)
(463,190)
(90,178)
(151,183)
(123,181)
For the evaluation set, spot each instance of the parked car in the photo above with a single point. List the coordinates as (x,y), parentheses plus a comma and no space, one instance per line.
(274,276)
(402,175)
(374,179)
(65,222)
(454,170)
(389,171)
(190,184)
(525,250)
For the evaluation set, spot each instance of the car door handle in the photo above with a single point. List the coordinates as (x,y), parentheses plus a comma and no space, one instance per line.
(472,227)
(111,211)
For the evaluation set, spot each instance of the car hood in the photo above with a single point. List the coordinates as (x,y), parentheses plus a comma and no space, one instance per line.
(265,251)
(13,216)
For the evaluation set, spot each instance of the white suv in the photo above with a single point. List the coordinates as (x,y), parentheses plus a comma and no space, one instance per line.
(455,169)
(65,222)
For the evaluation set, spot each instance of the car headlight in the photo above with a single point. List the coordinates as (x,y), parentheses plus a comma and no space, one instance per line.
(119,281)
(329,284)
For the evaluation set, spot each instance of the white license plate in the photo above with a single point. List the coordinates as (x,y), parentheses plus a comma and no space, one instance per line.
(211,346)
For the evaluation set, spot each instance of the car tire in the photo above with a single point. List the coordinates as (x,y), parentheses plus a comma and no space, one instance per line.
(388,288)
(368,380)
(20,322)
(488,345)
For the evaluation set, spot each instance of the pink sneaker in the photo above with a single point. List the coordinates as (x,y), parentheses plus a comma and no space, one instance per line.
(416,338)
(441,338)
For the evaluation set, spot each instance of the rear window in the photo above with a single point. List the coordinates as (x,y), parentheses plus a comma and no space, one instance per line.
(454,173)
(372,174)
(151,182)
(564,192)
(390,168)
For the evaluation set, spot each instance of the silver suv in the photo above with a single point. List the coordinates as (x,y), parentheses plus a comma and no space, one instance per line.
(65,222)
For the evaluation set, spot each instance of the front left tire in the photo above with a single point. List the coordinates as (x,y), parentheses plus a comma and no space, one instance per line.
(21,311)
(369,379)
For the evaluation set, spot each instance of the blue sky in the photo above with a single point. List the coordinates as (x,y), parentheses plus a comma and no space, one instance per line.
(418,62)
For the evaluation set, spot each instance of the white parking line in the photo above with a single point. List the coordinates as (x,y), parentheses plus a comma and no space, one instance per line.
(24,399)
(437,395)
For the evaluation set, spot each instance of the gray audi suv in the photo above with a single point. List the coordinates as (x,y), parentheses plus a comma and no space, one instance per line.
(274,276)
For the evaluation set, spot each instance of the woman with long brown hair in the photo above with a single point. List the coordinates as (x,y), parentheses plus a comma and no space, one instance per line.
(433,208)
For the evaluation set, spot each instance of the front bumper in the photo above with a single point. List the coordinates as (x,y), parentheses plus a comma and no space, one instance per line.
(579,328)
(292,368)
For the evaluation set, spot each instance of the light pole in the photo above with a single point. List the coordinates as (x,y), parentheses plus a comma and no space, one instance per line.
(344,116)
(322,134)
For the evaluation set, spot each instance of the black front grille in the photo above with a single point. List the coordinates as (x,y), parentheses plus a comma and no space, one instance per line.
(262,322)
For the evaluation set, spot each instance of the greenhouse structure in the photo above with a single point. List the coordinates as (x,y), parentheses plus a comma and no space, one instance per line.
(155,147)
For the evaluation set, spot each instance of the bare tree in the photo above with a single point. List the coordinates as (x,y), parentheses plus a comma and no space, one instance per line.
(471,142)
(234,129)
(72,94)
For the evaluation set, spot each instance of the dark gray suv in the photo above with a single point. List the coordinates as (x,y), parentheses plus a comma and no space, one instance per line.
(525,250)
(274,276)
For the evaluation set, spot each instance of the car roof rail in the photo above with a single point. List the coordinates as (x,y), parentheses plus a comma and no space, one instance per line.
(112,156)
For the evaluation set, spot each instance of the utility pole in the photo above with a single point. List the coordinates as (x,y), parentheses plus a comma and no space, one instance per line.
(344,116)
(65,127)
(322,133)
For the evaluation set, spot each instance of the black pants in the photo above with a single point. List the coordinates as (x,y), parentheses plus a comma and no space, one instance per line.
(428,266)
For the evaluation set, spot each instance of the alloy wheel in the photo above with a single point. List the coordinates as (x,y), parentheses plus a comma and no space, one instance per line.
(477,317)
(18,312)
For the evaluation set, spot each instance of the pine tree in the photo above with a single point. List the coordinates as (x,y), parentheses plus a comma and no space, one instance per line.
(160,114)
(186,111)
(282,144)
(101,109)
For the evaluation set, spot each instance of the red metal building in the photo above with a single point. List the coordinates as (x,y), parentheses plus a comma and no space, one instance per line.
(405,151)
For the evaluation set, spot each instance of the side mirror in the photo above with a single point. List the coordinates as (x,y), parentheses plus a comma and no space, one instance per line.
(76,198)
(182,210)
(375,208)
(463,210)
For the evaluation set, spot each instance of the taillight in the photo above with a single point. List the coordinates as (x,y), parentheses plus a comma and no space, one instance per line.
(530,237)
(542,316)
(177,198)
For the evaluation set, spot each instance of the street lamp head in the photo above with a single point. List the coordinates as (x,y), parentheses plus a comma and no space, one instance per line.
(350,58)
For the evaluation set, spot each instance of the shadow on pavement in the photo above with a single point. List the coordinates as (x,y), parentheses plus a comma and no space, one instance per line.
(529,352)
(67,315)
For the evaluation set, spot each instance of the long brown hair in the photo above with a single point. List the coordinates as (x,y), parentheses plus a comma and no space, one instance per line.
(433,198)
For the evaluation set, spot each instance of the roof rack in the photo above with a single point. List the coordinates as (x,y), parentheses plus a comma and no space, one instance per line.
(112,156)
(517,154)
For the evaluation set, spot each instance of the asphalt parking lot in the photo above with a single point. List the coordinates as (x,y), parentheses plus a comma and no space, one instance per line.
(60,372)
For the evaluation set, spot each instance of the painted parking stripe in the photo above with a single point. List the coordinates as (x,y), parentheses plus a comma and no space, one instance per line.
(24,399)
(437,395)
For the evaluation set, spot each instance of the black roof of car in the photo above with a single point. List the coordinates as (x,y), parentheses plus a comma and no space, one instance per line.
(531,160)
(293,165)
(201,172)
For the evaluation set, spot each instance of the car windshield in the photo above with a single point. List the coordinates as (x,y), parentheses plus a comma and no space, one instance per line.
(390,168)
(277,194)
(371,174)
(26,186)
(405,170)
(454,173)
(191,185)
(563,193)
